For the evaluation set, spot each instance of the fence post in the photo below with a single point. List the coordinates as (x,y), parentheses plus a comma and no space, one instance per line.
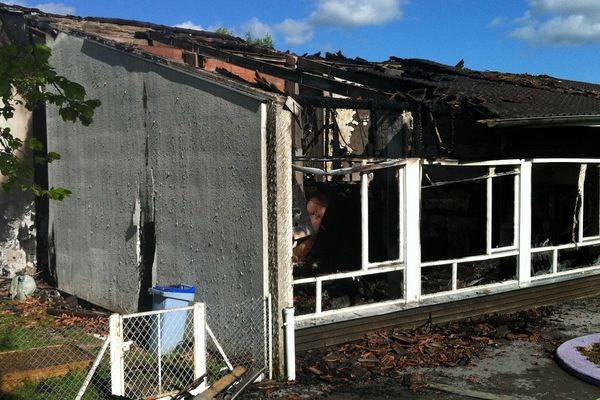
(270,333)
(199,342)
(117,368)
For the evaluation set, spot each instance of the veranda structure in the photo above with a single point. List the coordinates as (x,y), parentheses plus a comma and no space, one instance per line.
(526,259)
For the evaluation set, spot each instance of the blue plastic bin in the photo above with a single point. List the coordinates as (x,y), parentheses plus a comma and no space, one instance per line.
(169,332)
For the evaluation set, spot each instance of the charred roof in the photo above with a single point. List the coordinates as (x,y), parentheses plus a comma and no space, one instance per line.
(405,82)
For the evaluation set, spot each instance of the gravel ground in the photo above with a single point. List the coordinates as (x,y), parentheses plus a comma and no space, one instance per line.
(518,370)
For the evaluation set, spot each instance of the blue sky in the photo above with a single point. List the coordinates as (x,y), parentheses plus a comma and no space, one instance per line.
(555,37)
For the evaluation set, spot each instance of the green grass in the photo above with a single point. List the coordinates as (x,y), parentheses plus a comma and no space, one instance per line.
(37,330)
(65,387)
(19,332)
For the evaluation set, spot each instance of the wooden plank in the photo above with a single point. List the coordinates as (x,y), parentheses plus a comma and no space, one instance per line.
(222,384)
(35,364)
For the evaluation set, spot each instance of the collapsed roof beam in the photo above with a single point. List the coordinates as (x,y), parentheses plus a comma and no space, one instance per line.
(543,122)
(310,80)
(308,65)
(352,104)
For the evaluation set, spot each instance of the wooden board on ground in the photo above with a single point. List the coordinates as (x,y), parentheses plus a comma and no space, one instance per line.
(19,366)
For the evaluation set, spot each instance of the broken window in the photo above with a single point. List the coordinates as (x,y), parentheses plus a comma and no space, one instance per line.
(554,204)
(361,222)
(542,263)
(484,272)
(336,242)
(354,254)
(574,258)
(591,202)
(453,221)
(334,293)
(565,217)
(503,207)
(467,226)
(384,216)
(437,278)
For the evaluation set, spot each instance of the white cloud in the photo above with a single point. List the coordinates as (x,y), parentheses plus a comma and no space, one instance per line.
(295,31)
(56,8)
(559,22)
(353,13)
(335,13)
(256,28)
(565,7)
(189,25)
(496,22)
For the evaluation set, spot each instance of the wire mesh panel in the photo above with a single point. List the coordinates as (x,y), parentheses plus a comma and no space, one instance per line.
(48,356)
(158,352)
(237,336)
(97,384)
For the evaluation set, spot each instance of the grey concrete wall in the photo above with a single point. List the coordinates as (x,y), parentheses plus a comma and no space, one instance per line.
(165,147)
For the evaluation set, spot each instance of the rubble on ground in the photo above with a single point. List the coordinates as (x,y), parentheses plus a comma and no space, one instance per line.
(48,308)
(393,353)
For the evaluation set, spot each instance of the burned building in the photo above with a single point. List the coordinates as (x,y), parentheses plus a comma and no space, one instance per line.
(344,188)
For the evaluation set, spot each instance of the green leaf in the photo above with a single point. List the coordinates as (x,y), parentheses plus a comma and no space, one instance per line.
(52,156)
(34,144)
(58,193)
(28,79)
(68,114)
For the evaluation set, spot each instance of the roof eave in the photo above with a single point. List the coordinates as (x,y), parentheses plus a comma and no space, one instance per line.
(543,121)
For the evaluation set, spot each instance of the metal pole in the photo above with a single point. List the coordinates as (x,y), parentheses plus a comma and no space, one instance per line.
(270,315)
(93,369)
(290,343)
(199,315)
(159,353)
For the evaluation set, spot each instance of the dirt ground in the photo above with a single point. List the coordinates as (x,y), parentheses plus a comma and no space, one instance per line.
(504,369)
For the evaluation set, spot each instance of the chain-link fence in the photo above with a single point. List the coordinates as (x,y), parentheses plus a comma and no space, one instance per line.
(141,355)
(48,357)
(238,335)
(159,351)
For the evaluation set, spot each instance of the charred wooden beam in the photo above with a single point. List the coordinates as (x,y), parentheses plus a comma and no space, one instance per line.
(362,76)
(313,81)
(353,104)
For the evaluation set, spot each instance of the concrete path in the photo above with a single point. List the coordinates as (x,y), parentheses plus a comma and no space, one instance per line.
(512,370)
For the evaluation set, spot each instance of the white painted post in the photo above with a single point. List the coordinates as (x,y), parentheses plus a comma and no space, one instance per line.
(290,343)
(516,200)
(525,222)
(454,276)
(159,353)
(581,189)
(117,367)
(489,205)
(270,333)
(412,212)
(401,200)
(364,219)
(318,296)
(199,328)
